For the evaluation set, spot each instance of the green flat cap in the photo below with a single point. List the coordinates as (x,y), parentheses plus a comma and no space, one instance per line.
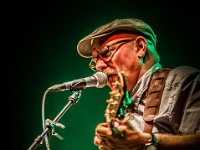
(131,25)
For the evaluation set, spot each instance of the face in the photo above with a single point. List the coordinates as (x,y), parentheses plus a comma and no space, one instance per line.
(118,53)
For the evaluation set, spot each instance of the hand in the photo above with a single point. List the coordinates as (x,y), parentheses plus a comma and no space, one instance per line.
(128,138)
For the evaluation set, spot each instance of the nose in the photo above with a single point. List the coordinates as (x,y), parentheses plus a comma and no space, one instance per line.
(100,64)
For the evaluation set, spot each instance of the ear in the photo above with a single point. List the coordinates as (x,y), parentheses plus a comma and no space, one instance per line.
(140,43)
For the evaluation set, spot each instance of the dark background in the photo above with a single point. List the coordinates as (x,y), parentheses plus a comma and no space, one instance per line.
(40,51)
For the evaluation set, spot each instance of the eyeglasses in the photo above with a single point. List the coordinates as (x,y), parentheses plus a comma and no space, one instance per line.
(107,52)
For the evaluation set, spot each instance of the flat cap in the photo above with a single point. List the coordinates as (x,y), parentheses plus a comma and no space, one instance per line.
(131,25)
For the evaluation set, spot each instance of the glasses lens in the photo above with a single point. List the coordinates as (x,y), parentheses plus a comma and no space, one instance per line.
(105,53)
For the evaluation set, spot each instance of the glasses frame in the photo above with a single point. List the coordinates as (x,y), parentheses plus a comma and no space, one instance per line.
(107,54)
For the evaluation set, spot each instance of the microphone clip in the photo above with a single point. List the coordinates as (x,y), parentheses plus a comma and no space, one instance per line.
(51,124)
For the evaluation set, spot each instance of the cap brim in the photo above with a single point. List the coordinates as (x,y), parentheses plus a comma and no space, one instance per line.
(84,46)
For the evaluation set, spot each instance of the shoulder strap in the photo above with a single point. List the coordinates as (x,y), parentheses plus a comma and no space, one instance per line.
(154,95)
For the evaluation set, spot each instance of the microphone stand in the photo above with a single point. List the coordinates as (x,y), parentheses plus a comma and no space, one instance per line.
(73,99)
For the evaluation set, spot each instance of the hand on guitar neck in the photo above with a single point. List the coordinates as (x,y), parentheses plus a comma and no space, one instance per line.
(116,132)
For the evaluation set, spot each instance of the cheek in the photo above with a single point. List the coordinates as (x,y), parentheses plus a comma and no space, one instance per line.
(125,60)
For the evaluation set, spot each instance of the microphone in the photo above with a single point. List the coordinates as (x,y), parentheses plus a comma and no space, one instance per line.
(99,80)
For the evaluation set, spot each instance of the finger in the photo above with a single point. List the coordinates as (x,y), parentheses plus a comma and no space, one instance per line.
(126,132)
(101,147)
(121,128)
(103,130)
(97,140)
(104,124)
(123,121)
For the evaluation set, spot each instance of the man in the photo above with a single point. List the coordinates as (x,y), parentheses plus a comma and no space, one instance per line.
(129,46)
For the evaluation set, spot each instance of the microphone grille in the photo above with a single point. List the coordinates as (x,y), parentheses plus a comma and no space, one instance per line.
(101,79)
